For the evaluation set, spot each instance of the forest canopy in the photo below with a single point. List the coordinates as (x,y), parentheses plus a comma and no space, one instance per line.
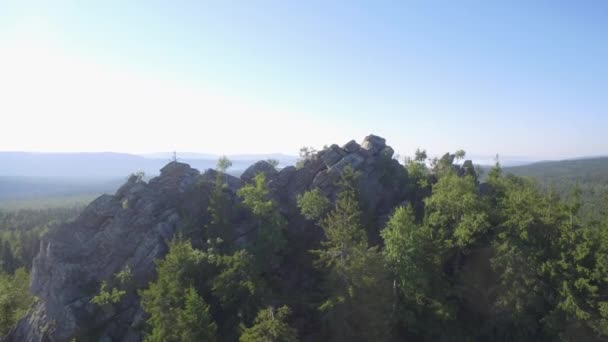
(460,260)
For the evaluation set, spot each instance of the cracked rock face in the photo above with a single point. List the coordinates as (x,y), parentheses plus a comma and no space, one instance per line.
(132,227)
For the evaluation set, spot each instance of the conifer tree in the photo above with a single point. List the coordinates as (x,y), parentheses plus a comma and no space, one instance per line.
(270,326)
(194,322)
(176,312)
(426,259)
(269,238)
(219,207)
(356,280)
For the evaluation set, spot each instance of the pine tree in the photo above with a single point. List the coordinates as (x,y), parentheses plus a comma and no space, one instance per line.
(219,208)
(270,326)
(239,289)
(169,299)
(269,238)
(194,322)
(356,279)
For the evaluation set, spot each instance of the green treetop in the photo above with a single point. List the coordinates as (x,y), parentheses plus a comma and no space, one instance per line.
(269,239)
(270,326)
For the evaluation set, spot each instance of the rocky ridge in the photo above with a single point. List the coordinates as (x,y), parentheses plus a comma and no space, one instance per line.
(131,228)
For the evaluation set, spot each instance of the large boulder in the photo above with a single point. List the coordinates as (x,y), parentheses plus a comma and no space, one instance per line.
(328,178)
(387,152)
(174,168)
(353,160)
(332,155)
(351,146)
(373,143)
(210,177)
(260,167)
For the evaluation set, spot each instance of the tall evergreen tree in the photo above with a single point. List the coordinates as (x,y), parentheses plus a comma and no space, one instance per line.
(269,235)
(356,282)
(427,259)
(239,290)
(171,299)
(194,322)
(219,208)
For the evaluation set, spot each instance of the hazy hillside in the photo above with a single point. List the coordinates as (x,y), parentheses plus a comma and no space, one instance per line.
(587,167)
(22,187)
(73,165)
(590,174)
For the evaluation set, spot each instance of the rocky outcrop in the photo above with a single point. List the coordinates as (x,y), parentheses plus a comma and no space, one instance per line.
(259,167)
(132,228)
(128,229)
(381,178)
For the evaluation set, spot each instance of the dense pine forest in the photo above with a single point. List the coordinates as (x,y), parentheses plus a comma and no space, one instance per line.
(457,260)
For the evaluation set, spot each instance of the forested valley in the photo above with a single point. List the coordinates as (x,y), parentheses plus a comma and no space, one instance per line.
(455,259)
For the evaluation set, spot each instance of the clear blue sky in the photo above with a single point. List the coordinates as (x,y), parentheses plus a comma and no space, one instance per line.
(526,78)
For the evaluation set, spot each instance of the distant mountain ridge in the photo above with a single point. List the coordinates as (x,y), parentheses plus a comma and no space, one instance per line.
(109,165)
(32,174)
(196,155)
(580,167)
(39,175)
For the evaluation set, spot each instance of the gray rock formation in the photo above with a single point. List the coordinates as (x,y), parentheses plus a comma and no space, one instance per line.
(332,155)
(128,229)
(132,227)
(373,143)
(381,179)
(351,146)
(260,167)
